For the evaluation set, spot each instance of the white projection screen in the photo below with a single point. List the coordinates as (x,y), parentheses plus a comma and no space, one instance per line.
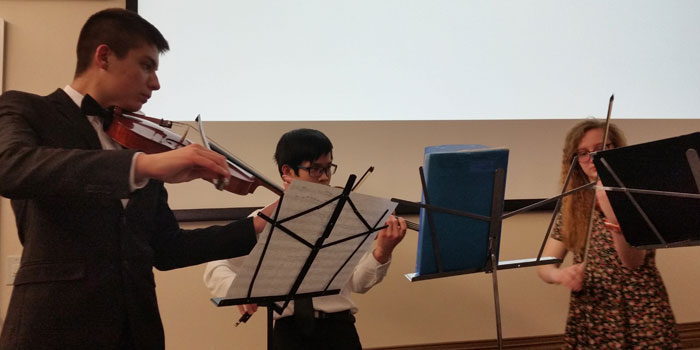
(426,59)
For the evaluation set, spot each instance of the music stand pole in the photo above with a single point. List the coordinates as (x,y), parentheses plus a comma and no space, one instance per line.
(494,228)
(270,327)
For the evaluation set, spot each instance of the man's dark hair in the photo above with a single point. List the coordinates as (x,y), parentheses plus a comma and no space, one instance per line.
(121,30)
(300,145)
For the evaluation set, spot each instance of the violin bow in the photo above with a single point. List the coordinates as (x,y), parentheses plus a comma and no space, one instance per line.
(593,202)
(409,224)
(220,182)
(362,178)
(238,163)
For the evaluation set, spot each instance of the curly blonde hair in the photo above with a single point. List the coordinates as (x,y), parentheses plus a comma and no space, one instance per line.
(576,207)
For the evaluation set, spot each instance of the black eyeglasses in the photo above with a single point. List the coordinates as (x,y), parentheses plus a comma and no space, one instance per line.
(584,155)
(316,171)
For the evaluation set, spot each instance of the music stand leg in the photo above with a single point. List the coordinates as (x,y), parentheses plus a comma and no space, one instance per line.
(496,302)
(499,184)
(270,328)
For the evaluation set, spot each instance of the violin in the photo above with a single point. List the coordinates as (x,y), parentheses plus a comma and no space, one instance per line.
(152,135)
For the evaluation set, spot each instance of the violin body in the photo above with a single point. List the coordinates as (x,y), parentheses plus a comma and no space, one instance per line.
(148,135)
(139,134)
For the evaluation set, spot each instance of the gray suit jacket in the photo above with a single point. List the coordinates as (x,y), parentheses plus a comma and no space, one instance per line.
(85,277)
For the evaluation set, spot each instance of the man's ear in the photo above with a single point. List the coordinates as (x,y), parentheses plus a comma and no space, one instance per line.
(288,170)
(102,56)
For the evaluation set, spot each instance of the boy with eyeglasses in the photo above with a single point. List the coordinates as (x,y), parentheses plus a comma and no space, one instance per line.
(307,154)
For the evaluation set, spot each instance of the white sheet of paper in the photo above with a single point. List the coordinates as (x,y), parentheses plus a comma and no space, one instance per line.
(285,255)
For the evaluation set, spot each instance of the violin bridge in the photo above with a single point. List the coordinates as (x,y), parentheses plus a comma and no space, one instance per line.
(184,136)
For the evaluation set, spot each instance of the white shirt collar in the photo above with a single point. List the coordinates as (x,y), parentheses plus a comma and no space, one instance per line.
(74,95)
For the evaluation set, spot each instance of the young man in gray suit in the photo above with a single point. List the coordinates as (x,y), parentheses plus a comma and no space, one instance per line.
(92,217)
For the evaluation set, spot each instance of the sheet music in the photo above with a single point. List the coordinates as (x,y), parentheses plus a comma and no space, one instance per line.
(285,255)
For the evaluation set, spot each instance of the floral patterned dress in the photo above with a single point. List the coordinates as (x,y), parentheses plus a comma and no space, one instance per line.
(618,308)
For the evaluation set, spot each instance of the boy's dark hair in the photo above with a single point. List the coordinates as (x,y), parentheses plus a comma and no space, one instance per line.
(121,30)
(300,145)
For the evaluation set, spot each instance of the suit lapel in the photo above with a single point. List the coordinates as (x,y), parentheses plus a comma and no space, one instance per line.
(78,122)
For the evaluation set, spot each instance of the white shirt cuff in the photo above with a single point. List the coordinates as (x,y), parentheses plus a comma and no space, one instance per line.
(133,186)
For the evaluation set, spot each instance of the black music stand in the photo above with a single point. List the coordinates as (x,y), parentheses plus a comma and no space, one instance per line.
(494,220)
(343,207)
(653,188)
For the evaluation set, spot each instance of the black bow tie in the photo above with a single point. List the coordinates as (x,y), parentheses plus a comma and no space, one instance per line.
(90,107)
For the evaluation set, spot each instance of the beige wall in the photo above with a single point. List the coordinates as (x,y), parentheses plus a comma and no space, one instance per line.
(39,57)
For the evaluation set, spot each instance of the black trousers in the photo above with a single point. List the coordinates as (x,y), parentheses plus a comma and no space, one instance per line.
(126,340)
(328,334)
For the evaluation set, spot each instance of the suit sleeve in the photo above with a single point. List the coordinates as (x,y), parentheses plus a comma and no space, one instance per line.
(175,247)
(42,158)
